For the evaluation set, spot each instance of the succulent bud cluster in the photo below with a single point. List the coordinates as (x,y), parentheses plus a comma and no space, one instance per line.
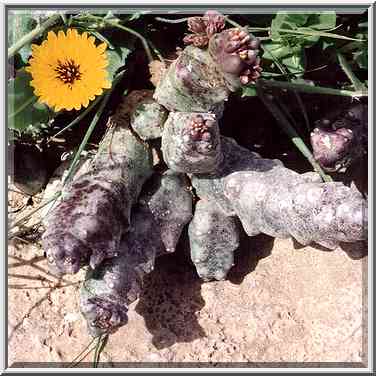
(190,142)
(104,314)
(246,48)
(199,128)
(203,28)
(337,142)
(235,52)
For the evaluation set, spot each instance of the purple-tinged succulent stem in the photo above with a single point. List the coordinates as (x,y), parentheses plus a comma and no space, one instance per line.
(338,141)
(192,84)
(109,289)
(190,142)
(89,221)
(280,203)
(156,226)
(213,238)
(235,51)
(171,204)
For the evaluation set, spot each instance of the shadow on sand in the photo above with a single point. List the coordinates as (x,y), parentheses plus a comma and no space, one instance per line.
(171,297)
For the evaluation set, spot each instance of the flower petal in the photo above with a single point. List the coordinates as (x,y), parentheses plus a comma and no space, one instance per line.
(68,70)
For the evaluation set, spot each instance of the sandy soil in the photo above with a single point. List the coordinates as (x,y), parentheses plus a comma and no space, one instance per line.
(279,305)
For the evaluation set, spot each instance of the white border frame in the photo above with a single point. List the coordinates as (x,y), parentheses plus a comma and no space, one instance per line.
(181,3)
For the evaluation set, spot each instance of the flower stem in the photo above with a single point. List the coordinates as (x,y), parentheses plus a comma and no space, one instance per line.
(233,23)
(271,74)
(76,120)
(305,32)
(74,164)
(27,103)
(305,88)
(136,34)
(157,52)
(82,354)
(28,215)
(296,94)
(101,343)
(33,34)
(319,34)
(127,29)
(97,346)
(86,137)
(290,131)
(91,128)
(358,85)
(168,20)
(77,155)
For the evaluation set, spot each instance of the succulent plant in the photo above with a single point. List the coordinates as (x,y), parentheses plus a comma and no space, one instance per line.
(213,239)
(340,141)
(235,52)
(203,28)
(125,213)
(190,142)
(86,226)
(157,223)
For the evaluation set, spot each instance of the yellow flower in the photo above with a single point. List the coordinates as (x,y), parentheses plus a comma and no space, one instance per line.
(68,70)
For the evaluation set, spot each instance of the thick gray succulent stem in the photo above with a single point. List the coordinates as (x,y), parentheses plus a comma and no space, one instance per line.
(192,84)
(156,225)
(88,223)
(213,237)
(280,203)
(146,115)
(209,186)
(271,199)
(171,204)
(111,287)
(190,142)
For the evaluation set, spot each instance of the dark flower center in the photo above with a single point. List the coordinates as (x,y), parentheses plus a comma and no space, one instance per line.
(68,72)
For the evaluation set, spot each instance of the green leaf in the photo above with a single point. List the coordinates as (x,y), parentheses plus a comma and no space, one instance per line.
(308,40)
(20,23)
(322,20)
(361,58)
(294,64)
(274,51)
(249,91)
(301,22)
(297,19)
(23,109)
(327,43)
(122,47)
(285,20)
(116,59)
